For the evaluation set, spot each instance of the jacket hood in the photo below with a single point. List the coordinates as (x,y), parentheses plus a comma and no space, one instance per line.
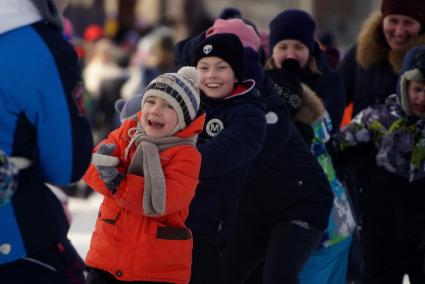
(413,69)
(242,88)
(372,48)
(17,13)
(312,107)
(184,51)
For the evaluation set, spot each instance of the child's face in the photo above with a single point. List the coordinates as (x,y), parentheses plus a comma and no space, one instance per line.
(159,118)
(216,77)
(417,98)
(290,48)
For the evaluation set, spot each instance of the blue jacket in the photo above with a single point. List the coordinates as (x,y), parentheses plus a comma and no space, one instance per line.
(41,120)
(233,135)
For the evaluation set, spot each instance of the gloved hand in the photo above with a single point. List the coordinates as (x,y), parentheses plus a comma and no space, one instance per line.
(109,174)
(8,178)
(288,87)
(253,69)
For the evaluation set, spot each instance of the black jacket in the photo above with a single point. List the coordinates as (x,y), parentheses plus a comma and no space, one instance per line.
(286,181)
(233,135)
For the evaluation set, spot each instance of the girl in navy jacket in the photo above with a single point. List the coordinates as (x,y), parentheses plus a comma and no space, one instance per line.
(234,132)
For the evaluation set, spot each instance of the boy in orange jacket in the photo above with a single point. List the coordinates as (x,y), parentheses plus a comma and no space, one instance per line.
(147,170)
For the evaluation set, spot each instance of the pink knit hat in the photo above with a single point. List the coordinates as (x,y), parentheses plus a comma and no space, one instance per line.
(246,33)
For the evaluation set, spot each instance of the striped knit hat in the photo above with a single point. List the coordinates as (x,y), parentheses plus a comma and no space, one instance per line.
(180,90)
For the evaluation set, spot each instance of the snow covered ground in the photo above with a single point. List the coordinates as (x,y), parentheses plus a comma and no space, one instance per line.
(84,214)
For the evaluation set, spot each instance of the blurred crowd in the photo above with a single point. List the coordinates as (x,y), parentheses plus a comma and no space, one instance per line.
(310,166)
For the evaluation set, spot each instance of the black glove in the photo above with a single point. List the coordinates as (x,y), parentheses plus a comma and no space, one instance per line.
(288,87)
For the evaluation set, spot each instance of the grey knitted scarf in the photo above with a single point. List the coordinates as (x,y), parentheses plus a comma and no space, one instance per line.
(146,162)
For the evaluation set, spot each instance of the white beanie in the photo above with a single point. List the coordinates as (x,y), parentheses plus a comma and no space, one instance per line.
(180,90)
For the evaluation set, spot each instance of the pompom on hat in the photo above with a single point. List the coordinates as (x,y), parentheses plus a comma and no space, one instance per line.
(411,8)
(180,90)
(292,24)
(225,46)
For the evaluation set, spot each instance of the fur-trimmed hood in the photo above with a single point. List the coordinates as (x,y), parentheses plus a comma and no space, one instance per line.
(372,48)
(413,69)
(312,107)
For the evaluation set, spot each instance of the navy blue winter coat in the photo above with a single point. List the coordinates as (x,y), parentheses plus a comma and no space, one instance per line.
(233,135)
(286,181)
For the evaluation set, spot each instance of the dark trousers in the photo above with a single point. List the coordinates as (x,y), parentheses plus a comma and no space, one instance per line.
(387,262)
(282,246)
(58,264)
(97,276)
(206,260)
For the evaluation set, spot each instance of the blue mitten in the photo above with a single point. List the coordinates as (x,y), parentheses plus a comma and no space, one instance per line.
(109,174)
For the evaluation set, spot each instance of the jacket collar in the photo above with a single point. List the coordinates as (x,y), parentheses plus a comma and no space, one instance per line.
(242,88)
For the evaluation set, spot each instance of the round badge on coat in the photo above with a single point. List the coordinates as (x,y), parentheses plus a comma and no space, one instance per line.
(214,126)
(271,117)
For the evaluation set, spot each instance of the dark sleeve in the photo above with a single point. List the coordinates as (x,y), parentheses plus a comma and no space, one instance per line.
(352,158)
(331,89)
(237,144)
(306,132)
(346,69)
(279,131)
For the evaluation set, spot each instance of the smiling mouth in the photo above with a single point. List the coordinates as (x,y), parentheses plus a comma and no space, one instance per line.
(213,85)
(399,40)
(155,124)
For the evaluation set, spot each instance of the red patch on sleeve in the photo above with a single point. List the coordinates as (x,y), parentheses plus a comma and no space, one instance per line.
(78,98)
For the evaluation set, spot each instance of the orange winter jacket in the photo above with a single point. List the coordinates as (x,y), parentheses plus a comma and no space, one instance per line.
(130,245)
